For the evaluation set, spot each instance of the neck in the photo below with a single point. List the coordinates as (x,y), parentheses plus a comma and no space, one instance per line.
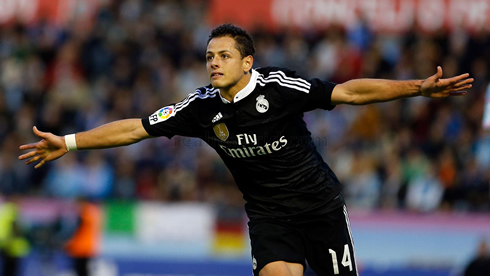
(230,92)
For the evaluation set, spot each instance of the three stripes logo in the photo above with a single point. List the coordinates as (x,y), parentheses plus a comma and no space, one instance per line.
(217,117)
(169,111)
(280,78)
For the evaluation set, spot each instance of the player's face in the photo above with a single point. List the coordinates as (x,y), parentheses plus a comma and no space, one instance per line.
(226,67)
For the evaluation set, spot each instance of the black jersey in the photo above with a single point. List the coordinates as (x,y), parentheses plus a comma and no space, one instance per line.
(263,140)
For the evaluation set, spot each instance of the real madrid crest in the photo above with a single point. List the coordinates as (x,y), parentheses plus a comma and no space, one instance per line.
(221,131)
(262,104)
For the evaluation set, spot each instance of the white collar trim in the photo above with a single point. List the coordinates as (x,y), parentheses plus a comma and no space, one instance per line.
(245,91)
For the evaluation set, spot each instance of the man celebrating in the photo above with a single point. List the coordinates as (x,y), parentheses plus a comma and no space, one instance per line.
(253,118)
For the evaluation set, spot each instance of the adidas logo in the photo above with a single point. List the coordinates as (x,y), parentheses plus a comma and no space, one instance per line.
(217,117)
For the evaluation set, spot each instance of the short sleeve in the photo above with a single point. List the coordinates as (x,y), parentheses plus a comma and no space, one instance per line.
(301,94)
(171,120)
(320,95)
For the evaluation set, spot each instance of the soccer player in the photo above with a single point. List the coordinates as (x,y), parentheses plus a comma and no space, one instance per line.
(253,118)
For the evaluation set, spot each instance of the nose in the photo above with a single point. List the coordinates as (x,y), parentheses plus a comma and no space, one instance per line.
(214,63)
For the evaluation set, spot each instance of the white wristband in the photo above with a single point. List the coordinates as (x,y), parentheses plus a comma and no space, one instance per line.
(71,142)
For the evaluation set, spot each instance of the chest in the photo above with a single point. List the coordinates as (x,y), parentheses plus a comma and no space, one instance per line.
(252,129)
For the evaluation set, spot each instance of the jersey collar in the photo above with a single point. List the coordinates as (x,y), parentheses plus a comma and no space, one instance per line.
(245,91)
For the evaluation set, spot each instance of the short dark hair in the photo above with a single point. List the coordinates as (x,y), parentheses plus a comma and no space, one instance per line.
(244,42)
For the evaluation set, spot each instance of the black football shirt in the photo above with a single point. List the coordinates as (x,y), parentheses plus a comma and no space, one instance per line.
(263,140)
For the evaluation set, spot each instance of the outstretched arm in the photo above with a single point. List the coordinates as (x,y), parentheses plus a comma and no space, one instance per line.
(365,91)
(51,147)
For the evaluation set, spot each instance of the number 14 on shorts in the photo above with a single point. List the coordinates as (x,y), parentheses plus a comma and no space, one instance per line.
(346,259)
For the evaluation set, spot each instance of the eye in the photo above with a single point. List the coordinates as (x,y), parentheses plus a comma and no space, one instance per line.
(209,58)
(224,56)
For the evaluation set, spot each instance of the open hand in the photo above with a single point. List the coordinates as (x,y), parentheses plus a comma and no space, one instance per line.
(435,87)
(51,147)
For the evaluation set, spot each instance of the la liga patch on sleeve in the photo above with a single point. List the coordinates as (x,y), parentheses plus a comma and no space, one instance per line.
(162,114)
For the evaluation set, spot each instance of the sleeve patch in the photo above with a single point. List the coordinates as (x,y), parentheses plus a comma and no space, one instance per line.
(162,114)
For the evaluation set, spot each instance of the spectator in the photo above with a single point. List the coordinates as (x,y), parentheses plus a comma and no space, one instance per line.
(480,264)
(13,244)
(84,244)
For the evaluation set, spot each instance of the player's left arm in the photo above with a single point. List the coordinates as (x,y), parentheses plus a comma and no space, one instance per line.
(365,91)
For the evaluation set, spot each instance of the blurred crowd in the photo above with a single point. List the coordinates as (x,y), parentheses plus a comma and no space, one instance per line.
(414,154)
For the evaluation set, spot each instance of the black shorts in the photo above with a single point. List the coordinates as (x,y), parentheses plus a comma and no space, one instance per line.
(324,243)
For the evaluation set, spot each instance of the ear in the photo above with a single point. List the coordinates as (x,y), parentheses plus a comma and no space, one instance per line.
(248,62)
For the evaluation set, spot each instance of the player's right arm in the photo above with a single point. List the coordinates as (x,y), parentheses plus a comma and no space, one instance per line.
(115,134)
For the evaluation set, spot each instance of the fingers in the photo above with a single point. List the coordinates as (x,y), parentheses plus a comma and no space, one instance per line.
(27,155)
(457,93)
(39,153)
(28,146)
(457,79)
(461,88)
(464,82)
(439,72)
(453,80)
(40,164)
(38,132)
(437,75)
(34,159)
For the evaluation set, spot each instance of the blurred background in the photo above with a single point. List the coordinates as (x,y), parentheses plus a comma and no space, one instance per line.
(416,172)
